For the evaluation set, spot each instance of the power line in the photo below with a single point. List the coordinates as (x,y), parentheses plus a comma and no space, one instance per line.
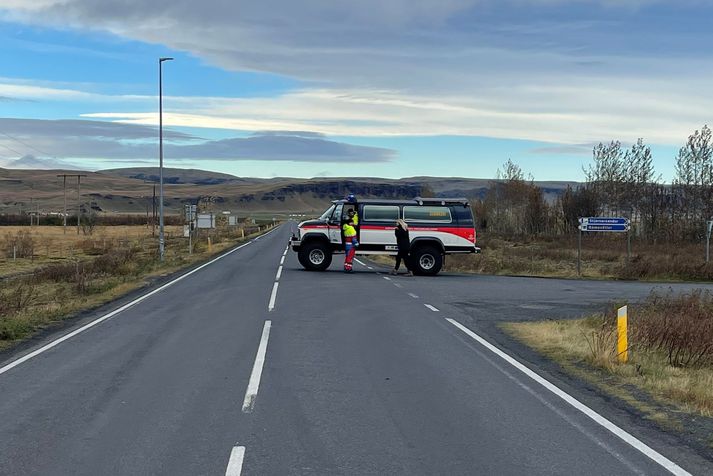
(11,149)
(25,144)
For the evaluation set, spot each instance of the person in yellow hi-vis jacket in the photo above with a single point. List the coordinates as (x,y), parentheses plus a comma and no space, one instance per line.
(354,216)
(350,244)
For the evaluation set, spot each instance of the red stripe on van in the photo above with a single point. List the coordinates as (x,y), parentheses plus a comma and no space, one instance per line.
(465,233)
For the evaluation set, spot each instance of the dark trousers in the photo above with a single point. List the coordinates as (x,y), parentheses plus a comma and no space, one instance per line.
(405,257)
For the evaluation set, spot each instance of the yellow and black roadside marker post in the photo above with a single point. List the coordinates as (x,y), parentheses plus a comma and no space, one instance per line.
(622,342)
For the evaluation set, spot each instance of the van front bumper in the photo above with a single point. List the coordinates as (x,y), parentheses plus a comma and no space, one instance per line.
(295,243)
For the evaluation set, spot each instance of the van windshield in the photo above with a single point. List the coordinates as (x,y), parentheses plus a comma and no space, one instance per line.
(327,214)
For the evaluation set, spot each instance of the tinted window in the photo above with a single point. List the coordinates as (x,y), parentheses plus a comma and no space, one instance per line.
(429,214)
(463,215)
(381,213)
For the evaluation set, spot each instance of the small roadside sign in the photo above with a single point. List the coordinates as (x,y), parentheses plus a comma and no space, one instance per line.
(609,228)
(603,224)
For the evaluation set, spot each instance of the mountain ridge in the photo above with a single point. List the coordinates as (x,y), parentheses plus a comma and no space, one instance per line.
(129,191)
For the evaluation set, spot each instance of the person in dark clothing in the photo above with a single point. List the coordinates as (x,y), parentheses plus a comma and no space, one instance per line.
(403,242)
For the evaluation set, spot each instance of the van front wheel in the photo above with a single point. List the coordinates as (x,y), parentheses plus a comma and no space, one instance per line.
(427,260)
(315,256)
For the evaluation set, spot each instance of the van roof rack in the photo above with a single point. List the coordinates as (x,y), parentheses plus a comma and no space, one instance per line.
(441,201)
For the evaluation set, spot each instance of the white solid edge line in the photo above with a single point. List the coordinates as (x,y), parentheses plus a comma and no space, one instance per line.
(113,313)
(235,463)
(432,308)
(273,296)
(599,419)
(279,273)
(254,383)
(413,295)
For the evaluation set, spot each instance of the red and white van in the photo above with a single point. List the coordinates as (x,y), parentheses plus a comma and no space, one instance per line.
(437,227)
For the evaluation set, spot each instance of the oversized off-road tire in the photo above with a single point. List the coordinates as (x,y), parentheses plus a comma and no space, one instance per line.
(426,260)
(315,256)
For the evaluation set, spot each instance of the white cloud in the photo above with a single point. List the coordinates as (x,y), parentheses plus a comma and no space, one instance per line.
(84,139)
(409,67)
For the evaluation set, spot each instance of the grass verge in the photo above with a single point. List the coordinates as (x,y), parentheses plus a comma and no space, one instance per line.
(603,257)
(659,369)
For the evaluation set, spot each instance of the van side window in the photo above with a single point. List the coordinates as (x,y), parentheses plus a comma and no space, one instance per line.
(428,214)
(388,213)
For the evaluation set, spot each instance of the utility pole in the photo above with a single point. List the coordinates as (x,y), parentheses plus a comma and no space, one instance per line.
(79,206)
(64,182)
(160,154)
(64,215)
(153,212)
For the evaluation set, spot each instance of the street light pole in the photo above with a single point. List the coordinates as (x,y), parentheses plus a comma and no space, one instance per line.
(160,153)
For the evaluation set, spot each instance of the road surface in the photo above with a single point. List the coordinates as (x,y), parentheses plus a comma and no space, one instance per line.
(251,365)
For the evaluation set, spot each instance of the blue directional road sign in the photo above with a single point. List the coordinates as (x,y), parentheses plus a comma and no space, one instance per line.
(609,228)
(603,221)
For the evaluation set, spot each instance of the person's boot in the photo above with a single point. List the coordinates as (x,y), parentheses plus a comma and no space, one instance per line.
(393,272)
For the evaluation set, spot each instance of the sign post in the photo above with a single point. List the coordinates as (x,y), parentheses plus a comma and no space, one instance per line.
(607,225)
(190,215)
(579,254)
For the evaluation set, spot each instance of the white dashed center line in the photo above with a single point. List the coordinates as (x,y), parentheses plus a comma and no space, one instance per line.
(279,273)
(254,383)
(386,278)
(434,309)
(235,463)
(273,297)
(413,295)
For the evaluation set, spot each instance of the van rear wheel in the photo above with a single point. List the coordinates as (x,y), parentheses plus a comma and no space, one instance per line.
(315,256)
(427,260)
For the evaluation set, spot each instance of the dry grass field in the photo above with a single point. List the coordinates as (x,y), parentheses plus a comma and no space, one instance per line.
(603,257)
(48,244)
(55,275)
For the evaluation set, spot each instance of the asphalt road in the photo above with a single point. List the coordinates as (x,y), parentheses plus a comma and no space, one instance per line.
(249,366)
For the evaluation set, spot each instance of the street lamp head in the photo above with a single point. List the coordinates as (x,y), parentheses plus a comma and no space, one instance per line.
(161,60)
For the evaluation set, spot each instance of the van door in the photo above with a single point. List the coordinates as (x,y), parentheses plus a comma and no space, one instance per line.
(335,226)
(377,227)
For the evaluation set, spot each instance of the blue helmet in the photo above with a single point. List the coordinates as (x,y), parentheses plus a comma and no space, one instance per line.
(351,198)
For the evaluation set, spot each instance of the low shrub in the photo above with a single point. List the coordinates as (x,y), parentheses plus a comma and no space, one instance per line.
(681,326)
(21,244)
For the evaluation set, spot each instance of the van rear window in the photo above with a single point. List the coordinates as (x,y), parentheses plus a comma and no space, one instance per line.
(381,213)
(429,214)
(464,215)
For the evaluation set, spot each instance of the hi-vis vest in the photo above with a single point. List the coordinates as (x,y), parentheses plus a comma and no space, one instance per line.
(349,230)
(355,218)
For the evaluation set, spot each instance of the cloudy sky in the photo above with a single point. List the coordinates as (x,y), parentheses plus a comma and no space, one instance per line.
(388,88)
